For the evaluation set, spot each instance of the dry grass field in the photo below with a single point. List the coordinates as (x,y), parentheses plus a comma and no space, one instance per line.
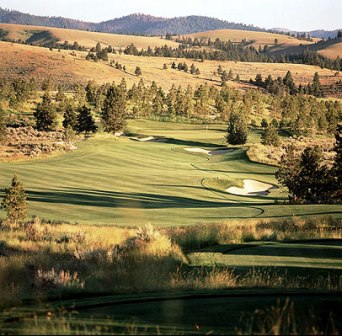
(23,61)
(256,38)
(85,38)
(332,51)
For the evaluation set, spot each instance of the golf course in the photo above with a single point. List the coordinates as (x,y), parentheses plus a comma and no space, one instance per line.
(179,174)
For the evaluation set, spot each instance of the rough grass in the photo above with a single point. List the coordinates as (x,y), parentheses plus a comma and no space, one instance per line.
(48,263)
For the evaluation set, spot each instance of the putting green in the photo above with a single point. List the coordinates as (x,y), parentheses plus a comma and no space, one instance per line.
(126,182)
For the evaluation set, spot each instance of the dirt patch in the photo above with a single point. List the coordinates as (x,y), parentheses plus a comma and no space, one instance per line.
(26,142)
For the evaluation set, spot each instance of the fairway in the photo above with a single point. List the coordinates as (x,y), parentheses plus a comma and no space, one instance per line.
(126,182)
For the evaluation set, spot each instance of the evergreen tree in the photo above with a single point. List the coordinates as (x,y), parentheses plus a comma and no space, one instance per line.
(70,118)
(305,176)
(45,114)
(14,202)
(91,89)
(114,110)
(237,130)
(165,66)
(138,71)
(3,122)
(60,96)
(316,86)
(289,82)
(270,136)
(337,167)
(85,121)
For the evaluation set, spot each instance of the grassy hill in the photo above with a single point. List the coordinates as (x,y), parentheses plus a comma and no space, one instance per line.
(23,61)
(87,39)
(286,44)
(255,38)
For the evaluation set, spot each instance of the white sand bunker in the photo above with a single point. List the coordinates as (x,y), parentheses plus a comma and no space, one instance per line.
(208,152)
(149,139)
(252,188)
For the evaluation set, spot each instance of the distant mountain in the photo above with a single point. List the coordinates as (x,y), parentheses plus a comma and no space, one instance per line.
(141,24)
(15,17)
(325,34)
(138,24)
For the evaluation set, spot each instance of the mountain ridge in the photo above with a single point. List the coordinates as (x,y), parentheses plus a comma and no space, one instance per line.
(143,24)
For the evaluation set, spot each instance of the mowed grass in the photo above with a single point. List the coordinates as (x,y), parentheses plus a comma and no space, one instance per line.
(318,254)
(125,182)
(25,62)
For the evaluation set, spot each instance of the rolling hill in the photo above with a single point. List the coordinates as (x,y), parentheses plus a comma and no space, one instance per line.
(139,24)
(25,61)
(46,35)
(285,44)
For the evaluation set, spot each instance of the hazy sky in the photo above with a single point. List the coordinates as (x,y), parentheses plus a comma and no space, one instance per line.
(292,14)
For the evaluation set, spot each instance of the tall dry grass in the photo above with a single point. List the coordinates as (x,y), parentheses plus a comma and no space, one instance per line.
(45,261)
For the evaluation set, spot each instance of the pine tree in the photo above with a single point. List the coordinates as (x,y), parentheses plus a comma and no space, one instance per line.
(114,110)
(337,168)
(70,118)
(85,121)
(316,86)
(237,130)
(45,114)
(270,136)
(138,71)
(14,202)
(3,128)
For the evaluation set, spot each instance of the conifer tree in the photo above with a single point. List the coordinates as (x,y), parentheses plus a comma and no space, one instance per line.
(45,114)
(138,71)
(70,118)
(270,136)
(316,86)
(14,202)
(3,128)
(114,110)
(237,130)
(85,121)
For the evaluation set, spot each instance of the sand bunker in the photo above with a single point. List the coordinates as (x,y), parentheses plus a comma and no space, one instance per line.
(252,188)
(149,139)
(208,152)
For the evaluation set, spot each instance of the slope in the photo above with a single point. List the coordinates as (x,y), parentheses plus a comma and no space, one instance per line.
(24,61)
(83,38)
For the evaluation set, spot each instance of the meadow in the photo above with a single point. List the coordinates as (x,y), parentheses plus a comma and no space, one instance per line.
(121,181)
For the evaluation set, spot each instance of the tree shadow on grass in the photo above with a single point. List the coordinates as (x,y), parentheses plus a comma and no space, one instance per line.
(100,198)
(279,250)
(190,143)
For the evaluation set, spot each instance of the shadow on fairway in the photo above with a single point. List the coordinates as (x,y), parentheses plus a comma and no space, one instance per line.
(279,250)
(189,143)
(99,198)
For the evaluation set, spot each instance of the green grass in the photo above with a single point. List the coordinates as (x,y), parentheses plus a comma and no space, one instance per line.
(300,255)
(126,182)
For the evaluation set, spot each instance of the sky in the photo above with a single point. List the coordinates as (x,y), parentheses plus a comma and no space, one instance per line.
(299,15)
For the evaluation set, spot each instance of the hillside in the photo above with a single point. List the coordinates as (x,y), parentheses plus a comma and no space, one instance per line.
(285,45)
(46,35)
(24,61)
(139,24)
(256,39)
